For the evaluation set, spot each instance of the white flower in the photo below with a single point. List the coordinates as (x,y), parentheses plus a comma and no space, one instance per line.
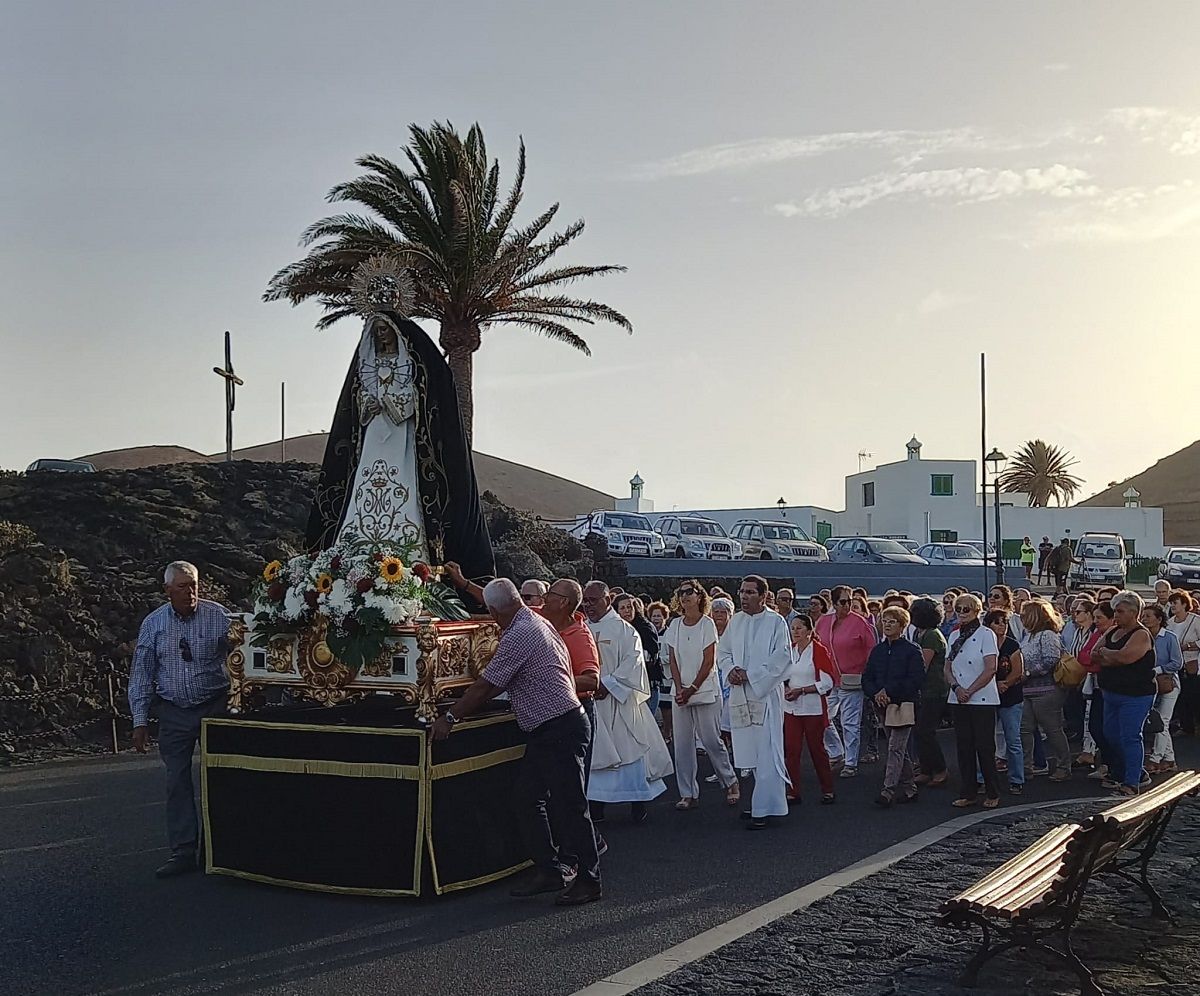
(380,584)
(338,601)
(392,610)
(293,604)
(357,573)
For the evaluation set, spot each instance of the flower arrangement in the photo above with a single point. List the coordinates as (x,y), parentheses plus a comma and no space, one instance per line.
(360,589)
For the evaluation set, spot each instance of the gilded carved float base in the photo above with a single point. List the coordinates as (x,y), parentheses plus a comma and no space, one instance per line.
(422,664)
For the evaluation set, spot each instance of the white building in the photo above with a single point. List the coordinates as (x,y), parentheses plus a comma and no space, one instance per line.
(924,500)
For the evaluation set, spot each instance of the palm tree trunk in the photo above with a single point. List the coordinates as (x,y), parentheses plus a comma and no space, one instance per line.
(460,343)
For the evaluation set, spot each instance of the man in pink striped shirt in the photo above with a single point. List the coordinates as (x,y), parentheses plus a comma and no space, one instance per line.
(850,638)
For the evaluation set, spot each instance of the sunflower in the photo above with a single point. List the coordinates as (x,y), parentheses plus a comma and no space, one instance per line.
(391,569)
(324,584)
(271,571)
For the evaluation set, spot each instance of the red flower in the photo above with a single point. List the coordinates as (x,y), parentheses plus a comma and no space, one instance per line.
(364,585)
(422,571)
(276,590)
(377,557)
(335,564)
(311,598)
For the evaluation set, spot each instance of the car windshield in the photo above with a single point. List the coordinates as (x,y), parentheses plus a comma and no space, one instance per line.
(693,528)
(1099,549)
(1189,557)
(887,546)
(960,552)
(783,531)
(69,465)
(627,522)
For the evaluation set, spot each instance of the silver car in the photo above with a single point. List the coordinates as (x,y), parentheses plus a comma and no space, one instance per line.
(770,539)
(951,555)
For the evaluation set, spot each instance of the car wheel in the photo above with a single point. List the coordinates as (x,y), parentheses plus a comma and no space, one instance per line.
(681,554)
(765,556)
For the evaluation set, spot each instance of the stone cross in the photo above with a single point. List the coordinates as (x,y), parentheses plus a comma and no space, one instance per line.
(232,383)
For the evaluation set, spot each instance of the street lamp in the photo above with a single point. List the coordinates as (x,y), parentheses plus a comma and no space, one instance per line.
(782,508)
(995,461)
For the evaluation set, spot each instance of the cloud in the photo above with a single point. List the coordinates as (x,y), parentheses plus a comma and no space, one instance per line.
(1130,214)
(938,300)
(961,185)
(908,146)
(1177,131)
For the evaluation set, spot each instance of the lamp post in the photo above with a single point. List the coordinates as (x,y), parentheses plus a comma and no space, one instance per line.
(782,508)
(995,461)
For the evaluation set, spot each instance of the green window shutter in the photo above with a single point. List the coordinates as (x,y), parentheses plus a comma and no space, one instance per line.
(941,485)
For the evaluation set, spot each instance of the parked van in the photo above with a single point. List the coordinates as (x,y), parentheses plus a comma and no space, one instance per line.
(1100,559)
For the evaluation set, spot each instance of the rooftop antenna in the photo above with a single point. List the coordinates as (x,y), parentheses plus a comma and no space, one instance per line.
(863,455)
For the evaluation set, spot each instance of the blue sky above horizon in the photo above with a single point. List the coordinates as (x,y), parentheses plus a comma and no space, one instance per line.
(827,212)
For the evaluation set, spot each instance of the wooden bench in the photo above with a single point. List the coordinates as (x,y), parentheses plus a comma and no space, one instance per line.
(1039,892)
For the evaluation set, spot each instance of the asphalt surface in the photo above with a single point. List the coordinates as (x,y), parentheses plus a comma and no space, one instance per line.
(80,910)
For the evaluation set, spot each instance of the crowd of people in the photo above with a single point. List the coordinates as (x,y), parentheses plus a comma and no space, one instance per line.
(756,680)
(616,691)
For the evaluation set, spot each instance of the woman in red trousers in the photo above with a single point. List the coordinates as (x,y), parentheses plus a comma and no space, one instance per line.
(810,678)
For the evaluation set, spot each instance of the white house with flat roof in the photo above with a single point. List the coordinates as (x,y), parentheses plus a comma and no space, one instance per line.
(924,500)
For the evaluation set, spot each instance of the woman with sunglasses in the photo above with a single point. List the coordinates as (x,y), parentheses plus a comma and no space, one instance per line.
(1127,660)
(691,640)
(971,676)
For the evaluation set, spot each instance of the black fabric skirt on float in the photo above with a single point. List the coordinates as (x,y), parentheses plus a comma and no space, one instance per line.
(349,799)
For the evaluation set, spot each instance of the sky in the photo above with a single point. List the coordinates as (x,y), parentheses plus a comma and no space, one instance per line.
(827,211)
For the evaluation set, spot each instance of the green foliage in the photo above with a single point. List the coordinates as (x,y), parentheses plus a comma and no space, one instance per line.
(1042,471)
(363,641)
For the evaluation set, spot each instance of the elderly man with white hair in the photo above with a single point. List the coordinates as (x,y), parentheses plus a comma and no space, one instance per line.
(532,664)
(178,675)
(533,593)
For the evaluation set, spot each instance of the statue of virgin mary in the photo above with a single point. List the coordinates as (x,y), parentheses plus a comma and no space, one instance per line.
(397,467)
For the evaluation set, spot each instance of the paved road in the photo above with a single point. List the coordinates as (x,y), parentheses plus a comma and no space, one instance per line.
(80,911)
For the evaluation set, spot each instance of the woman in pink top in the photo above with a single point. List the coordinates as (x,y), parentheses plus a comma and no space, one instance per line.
(850,638)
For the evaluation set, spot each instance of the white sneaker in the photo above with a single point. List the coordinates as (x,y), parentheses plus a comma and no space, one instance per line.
(848,773)
(1100,773)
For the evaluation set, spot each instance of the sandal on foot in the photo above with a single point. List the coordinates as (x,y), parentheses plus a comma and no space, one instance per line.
(964,803)
(683,804)
(991,803)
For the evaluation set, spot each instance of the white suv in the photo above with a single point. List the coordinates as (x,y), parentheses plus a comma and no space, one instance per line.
(1099,559)
(770,539)
(697,538)
(628,534)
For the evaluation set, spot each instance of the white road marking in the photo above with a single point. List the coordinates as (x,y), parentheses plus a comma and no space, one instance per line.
(651,969)
(44,847)
(50,802)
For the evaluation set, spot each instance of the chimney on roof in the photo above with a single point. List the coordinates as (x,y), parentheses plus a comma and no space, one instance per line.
(913,446)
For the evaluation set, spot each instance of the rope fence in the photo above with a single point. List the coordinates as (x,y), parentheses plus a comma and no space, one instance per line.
(103,685)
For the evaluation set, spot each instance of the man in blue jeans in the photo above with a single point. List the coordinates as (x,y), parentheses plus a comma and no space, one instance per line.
(178,674)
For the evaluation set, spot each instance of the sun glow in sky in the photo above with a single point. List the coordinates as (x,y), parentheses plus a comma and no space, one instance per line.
(827,213)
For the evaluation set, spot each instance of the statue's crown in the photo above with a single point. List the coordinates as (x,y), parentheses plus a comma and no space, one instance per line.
(382,283)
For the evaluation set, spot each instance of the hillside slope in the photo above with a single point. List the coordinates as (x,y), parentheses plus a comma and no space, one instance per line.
(1172,484)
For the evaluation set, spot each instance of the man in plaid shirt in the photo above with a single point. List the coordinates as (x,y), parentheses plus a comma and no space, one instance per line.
(532,664)
(178,673)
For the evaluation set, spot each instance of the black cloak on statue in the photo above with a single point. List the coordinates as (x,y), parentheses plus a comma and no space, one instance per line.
(449,496)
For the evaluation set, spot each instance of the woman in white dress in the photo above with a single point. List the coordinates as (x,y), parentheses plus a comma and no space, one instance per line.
(691,641)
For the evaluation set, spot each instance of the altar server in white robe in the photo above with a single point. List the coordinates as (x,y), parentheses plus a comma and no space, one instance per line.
(629,757)
(754,655)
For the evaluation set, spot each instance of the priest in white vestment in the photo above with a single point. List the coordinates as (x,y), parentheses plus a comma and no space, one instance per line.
(629,757)
(754,656)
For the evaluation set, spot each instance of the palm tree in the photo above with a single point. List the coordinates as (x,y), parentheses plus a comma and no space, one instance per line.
(443,217)
(1042,471)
